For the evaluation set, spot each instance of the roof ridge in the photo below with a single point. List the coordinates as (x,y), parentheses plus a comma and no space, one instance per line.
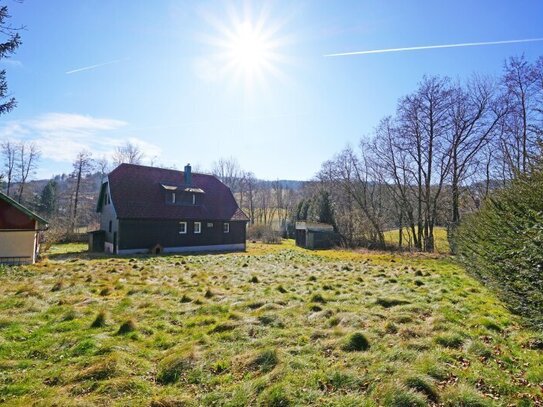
(160,168)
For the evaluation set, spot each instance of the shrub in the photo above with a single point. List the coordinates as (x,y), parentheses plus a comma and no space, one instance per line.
(318,298)
(265,233)
(463,396)
(356,342)
(174,366)
(275,396)
(57,287)
(99,321)
(399,396)
(390,302)
(101,370)
(450,341)
(423,385)
(126,327)
(264,361)
(501,245)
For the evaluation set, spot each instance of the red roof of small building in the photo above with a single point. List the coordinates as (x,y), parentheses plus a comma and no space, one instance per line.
(137,192)
(13,215)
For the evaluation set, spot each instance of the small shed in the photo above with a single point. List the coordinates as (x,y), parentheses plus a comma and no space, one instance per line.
(97,239)
(312,235)
(19,232)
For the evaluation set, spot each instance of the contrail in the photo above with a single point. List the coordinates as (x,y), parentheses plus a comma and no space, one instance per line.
(88,68)
(466,44)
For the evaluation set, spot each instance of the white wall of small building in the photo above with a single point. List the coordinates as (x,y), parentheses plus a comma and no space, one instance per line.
(18,244)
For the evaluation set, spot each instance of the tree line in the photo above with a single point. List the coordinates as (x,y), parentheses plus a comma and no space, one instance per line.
(438,156)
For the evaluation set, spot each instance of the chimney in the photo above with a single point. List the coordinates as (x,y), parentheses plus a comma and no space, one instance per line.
(188,175)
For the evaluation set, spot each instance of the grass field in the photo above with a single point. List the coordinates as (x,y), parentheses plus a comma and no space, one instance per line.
(440,236)
(274,326)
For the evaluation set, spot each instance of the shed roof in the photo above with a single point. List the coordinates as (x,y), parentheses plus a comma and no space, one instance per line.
(314,227)
(23,209)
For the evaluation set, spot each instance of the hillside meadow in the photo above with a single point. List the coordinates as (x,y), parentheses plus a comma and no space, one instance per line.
(274,326)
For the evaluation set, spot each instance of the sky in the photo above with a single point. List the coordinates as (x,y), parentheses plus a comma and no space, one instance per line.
(196,81)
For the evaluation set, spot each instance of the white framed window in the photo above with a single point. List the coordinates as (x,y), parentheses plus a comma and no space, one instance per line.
(226,227)
(197,227)
(182,228)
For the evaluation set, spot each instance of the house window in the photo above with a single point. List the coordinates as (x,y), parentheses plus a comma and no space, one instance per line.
(173,197)
(226,227)
(197,227)
(182,228)
(110,226)
(194,199)
(209,224)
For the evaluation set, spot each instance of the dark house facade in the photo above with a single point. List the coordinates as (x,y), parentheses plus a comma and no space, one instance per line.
(155,210)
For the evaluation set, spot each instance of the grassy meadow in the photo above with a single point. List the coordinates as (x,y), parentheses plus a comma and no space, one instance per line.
(440,236)
(275,326)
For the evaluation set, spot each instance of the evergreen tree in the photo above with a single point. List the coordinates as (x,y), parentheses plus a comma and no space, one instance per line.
(325,211)
(303,209)
(48,199)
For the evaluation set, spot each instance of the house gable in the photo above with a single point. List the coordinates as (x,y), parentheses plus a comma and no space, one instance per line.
(14,216)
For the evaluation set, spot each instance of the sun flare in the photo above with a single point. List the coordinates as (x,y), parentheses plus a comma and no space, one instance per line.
(248,48)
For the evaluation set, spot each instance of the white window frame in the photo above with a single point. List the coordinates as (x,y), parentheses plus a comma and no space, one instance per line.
(226,227)
(182,228)
(197,227)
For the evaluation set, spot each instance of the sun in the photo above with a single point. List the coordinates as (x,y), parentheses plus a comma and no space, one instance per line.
(248,48)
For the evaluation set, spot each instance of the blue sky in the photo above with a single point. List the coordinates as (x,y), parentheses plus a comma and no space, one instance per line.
(165,87)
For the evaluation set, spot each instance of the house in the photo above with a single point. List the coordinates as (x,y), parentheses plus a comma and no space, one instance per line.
(311,235)
(153,210)
(19,232)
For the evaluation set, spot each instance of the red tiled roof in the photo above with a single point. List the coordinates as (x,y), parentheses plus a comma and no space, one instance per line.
(137,193)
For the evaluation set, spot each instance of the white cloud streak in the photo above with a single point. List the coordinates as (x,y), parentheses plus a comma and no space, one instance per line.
(91,67)
(425,47)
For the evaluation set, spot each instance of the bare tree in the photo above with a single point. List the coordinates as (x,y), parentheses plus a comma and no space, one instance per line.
(102,165)
(82,165)
(520,85)
(475,114)
(424,117)
(128,153)
(27,162)
(9,152)
(229,172)
(250,183)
